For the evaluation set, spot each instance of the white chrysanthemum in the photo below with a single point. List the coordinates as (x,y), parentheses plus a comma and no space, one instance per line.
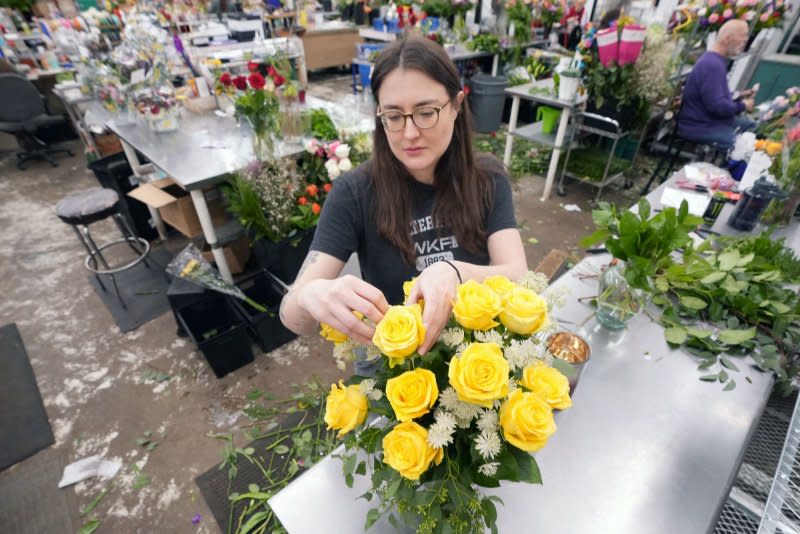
(534,281)
(489,469)
(489,336)
(512,387)
(488,445)
(448,399)
(311,146)
(465,413)
(452,337)
(343,353)
(556,297)
(367,388)
(461,348)
(440,433)
(487,421)
(522,353)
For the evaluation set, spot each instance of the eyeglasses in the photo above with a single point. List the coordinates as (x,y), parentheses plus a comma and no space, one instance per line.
(423,118)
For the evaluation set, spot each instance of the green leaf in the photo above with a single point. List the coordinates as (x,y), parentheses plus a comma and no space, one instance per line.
(662,284)
(255,520)
(780,307)
(348,479)
(253,488)
(710,378)
(281,449)
(489,511)
(699,333)
(361,469)
(254,394)
(737,336)
(693,303)
(349,464)
(723,376)
(393,487)
(706,364)
(730,385)
(729,364)
(729,259)
(90,526)
(747,258)
(372,516)
(92,505)
(528,468)
(714,277)
(675,335)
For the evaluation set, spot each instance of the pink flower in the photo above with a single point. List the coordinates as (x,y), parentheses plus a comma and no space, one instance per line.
(764,17)
(749,15)
(712,3)
(713,18)
(728,13)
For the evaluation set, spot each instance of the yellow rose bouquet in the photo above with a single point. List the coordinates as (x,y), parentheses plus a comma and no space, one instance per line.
(466,414)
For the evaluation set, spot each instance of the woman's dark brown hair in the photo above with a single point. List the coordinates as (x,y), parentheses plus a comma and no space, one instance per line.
(463,185)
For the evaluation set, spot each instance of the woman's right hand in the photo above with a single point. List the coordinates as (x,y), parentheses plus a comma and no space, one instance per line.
(334,301)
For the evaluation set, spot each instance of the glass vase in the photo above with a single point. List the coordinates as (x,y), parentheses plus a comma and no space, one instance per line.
(617,301)
(263,145)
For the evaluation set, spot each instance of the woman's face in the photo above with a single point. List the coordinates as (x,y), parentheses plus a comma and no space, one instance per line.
(419,149)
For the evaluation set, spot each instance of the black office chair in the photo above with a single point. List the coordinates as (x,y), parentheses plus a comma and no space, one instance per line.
(22,113)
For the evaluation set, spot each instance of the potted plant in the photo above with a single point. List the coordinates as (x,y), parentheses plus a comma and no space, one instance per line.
(569,81)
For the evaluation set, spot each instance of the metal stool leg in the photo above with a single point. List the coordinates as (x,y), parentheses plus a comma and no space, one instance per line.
(673,159)
(90,255)
(116,290)
(130,237)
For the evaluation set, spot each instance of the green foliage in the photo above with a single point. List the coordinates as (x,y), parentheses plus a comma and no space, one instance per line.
(644,243)
(321,125)
(485,42)
(616,83)
(262,109)
(526,158)
(738,287)
(21,5)
(245,205)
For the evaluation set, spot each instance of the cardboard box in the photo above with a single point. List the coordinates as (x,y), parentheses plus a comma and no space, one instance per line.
(236,254)
(175,205)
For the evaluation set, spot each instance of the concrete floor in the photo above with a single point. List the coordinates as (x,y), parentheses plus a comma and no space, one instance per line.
(95,380)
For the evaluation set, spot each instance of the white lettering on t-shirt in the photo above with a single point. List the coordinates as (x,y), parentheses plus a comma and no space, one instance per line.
(426,261)
(423,224)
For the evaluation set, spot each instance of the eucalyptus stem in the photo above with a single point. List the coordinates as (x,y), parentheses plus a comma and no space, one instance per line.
(258,307)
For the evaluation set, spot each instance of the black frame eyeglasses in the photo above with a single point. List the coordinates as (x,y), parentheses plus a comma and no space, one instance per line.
(424,117)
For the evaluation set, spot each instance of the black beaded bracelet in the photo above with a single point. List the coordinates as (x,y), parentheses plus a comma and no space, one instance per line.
(458,273)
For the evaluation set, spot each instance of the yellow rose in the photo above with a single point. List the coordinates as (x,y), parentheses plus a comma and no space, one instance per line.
(527,421)
(500,284)
(407,451)
(345,408)
(480,374)
(412,394)
(524,312)
(400,332)
(476,306)
(407,287)
(331,334)
(549,384)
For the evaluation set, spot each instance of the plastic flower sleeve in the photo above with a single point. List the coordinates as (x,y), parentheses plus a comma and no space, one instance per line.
(190,265)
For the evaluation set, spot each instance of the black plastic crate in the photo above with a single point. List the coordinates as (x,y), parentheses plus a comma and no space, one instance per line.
(218,332)
(266,328)
(181,294)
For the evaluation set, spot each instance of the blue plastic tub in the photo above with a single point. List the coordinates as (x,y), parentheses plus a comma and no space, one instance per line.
(363,72)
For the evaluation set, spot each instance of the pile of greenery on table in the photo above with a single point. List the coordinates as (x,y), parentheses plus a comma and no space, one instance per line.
(722,300)
(320,125)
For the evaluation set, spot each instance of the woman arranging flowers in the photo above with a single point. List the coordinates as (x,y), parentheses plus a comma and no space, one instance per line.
(424,205)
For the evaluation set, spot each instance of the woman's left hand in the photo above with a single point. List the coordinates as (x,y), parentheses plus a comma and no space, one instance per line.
(436,285)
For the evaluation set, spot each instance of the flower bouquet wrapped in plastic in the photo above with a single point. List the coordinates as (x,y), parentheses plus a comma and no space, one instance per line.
(190,265)
(468,413)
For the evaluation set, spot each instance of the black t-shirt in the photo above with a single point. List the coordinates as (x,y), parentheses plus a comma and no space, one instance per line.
(347,225)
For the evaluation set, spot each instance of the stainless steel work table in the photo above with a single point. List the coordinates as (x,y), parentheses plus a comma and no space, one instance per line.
(647,446)
(205,149)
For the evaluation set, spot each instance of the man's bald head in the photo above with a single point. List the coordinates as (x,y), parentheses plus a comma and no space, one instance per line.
(731,38)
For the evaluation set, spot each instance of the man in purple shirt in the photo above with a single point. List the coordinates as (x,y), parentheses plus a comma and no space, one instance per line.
(709,114)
